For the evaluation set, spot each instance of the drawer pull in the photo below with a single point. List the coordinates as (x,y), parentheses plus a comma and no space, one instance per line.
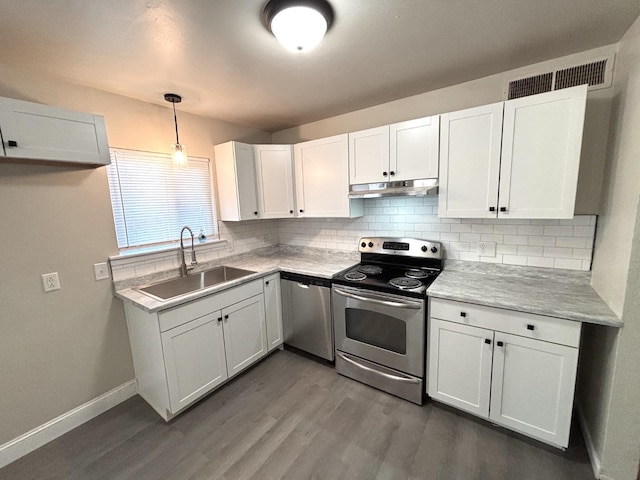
(487,341)
(463,314)
(530,327)
(500,344)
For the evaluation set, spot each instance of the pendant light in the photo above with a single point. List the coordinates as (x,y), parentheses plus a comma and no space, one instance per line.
(178,150)
(299,25)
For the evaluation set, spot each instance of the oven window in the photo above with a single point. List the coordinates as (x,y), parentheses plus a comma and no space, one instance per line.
(377,329)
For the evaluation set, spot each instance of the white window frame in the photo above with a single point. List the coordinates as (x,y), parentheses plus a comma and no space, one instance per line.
(169,219)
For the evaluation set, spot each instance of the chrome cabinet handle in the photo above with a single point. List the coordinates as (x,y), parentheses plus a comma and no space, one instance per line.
(382,374)
(388,303)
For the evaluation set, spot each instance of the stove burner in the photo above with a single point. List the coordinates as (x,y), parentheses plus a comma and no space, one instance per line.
(415,273)
(355,276)
(370,269)
(405,283)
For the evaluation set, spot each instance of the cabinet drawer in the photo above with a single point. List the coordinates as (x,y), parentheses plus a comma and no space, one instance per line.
(550,329)
(180,314)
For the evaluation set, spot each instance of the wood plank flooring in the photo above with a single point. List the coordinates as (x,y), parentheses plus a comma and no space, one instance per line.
(293,418)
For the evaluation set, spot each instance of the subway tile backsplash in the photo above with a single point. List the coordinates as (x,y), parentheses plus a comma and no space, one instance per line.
(564,244)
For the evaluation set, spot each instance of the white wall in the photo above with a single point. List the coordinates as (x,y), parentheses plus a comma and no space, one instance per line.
(609,390)
(62,349)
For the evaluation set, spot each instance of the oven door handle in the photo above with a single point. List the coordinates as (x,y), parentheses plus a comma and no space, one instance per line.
(388,303)
(396,378)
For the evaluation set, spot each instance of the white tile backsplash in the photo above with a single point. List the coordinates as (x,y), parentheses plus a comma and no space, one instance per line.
(564,244)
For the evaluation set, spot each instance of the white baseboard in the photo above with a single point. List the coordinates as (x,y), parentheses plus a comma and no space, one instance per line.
(30,441)
(594,456)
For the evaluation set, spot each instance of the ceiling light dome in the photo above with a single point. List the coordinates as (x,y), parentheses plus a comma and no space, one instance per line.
(299,25)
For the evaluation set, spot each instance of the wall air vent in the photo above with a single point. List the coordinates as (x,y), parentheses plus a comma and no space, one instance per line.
(597,74)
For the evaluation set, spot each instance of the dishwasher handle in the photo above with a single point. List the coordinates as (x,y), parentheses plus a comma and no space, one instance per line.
(303,285)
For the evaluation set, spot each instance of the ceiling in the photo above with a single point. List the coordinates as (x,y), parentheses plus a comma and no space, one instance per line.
(226,65)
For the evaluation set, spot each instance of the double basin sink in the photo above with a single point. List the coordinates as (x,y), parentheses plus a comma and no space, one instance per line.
(193,282)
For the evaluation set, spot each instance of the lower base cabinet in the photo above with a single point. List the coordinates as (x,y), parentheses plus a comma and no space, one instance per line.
(515,369)
(182,353)
(273,311)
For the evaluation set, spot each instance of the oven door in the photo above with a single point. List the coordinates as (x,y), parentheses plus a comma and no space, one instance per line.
(383,328)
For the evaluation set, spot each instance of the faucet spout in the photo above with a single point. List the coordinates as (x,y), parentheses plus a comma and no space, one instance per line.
(184,269)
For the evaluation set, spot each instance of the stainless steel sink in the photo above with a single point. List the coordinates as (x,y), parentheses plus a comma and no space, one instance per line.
(195,281)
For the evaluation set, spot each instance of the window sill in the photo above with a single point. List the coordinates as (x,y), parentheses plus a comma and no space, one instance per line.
(145,251)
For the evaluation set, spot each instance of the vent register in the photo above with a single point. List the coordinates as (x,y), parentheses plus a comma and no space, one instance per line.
(596,74)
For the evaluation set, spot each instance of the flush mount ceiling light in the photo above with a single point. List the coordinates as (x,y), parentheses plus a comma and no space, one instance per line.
(299,25)
(178,150)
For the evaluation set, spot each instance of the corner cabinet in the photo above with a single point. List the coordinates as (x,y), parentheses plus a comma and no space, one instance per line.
(40,132)
(515,369)
(236,175)
(402,151)
(274,169)
(182,353)
(514,159)
(322,179)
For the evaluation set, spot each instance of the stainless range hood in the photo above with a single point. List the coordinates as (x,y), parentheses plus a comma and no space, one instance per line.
(422,187)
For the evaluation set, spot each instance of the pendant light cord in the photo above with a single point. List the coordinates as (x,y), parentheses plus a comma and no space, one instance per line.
(175,121)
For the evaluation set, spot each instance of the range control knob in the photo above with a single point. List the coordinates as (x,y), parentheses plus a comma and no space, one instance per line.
(370,244)
(424,248)
(434,249)
(363,244)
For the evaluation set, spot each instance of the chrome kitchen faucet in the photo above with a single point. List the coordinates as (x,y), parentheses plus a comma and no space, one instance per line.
(183,265)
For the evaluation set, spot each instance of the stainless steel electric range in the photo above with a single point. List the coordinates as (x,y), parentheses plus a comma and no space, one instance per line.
(380,312)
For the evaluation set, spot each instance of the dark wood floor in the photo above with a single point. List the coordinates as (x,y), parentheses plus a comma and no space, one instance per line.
(293,418)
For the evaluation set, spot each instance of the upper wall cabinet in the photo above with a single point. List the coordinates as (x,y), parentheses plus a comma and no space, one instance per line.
(402,151)
(522,163)
(322,179)
(41,132)
(274,169)
(235,171)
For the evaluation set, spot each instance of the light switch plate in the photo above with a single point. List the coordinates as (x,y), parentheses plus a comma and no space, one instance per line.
(101,270)
(486,249)
(50,281)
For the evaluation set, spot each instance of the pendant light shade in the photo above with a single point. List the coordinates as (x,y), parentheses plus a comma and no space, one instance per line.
(178,150)
(299,25)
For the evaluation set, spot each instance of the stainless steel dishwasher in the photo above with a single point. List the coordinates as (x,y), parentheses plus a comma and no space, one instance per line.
(306,314)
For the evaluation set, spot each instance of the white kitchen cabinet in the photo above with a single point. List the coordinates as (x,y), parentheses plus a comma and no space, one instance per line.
(515,369)
(402,151)
(274,169)
(245,333)
(236,181)
(40,132)
(470,142)
(516,159)
(194,359)
(273,311)
(322,179)
(183,352)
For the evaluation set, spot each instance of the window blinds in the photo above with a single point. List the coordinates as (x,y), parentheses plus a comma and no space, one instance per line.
(152,201)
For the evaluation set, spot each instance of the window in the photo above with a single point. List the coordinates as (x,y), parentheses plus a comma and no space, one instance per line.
(152,201)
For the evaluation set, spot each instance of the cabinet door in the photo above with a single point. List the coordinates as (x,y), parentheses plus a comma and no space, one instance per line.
(369,156)
(322,179)
(273,311)
(414,148)
(542,138)
(470,162)
(194,359)
(236,181)
(274,169)
(532,387)
(459,365)
(245,335)
(41,132)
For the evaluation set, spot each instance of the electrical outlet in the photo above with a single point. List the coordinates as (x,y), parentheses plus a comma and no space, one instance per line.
(101,270)
(486,249)
(50,281)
